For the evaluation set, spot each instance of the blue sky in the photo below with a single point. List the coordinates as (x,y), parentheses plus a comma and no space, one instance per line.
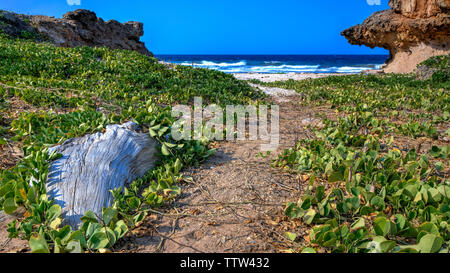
(228,26)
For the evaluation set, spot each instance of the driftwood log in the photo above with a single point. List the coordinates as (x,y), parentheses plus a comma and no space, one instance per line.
(4,217)
(93,165)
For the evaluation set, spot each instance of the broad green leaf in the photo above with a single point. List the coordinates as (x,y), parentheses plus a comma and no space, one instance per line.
(434,195)
(92,228)
(293,211)
(9,206)
(400,220)
(435,151)
(53,212)
(378,202)
(381,226)
(291,236)
(120,229)
(108,215)
(153,133)
(162,131)
(112,238)
(308,250)
(427,228)
(366,210)
(439,166)
(89,216)
(98,240)
(329,239)
(387,246)
(444,190)
(360,223)
(320,190)
(78,236)
(336,176)
(38,244)
(430,243)
(170,145)
(64,233)
(164,150)
(139,217)
(178,165)
(133,202)
(309,216)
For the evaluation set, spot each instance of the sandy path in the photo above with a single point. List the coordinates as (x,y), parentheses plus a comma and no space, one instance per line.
(234,202)
(6,244)
(228,199)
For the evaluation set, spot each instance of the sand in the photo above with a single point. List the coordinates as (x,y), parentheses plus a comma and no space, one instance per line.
(265,77)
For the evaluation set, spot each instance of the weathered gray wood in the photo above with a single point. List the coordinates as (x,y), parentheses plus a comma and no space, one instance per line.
(94,164)
(4,217)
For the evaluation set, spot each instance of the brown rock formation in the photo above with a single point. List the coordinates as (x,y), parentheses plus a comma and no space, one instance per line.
(412,31)
(77,28)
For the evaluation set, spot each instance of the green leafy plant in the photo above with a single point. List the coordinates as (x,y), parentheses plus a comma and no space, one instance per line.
(363,194)
(75,91)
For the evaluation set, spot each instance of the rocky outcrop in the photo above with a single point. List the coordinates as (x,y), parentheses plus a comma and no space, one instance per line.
(412,31)
(93,165)
(420,8)
(75,28)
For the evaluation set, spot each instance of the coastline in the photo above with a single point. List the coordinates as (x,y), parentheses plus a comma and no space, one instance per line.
(274,64)
(273,77)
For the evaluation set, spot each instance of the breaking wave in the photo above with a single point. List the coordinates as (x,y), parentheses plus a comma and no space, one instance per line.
(276,64)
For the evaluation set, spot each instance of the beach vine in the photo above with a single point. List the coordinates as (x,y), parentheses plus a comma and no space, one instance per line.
(364,190)
(70,92)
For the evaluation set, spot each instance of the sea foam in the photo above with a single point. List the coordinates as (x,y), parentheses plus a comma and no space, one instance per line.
(275,66)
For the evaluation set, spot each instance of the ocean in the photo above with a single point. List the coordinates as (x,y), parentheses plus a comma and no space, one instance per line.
(280,63)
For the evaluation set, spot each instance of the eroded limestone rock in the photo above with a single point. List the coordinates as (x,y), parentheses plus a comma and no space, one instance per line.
(76,28)
(412,31)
